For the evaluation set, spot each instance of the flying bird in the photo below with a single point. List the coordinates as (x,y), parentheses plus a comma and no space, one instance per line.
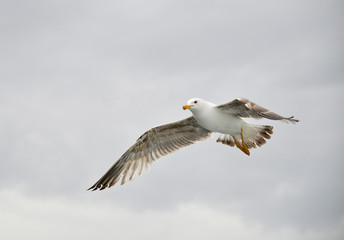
(207,118)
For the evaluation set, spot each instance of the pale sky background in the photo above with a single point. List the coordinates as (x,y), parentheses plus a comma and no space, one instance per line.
(80,81)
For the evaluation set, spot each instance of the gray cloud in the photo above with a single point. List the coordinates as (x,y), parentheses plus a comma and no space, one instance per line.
(80,81)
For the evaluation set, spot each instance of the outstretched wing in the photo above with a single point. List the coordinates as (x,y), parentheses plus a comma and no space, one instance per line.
(153,144)
(243,107)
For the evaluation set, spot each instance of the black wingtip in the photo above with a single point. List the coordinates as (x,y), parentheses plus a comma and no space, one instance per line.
(293,119)
(93,188)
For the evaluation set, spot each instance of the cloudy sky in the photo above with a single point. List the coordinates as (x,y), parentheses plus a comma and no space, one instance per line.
(81,80)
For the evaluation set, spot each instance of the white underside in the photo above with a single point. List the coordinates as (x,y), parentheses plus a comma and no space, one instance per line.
(212,119)
(216,121)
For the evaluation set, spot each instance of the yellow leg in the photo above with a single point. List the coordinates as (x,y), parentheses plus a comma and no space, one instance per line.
(242,147)
(236,143)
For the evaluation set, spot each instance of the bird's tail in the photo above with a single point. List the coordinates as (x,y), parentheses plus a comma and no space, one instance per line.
(254,135)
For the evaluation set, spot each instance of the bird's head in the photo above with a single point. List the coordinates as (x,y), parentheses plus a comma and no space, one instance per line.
(193,104)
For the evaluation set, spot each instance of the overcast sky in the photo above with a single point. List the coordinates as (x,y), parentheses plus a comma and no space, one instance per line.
(80,81)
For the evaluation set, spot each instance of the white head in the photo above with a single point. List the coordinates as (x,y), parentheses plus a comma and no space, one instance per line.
(195,104)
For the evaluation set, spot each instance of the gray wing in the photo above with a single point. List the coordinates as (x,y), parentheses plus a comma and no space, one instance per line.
(243,107)
(153,144)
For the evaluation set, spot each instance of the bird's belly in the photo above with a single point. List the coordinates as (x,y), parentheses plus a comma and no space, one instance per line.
(222,123)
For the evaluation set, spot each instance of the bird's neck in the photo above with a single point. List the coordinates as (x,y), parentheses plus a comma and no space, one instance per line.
(203,112)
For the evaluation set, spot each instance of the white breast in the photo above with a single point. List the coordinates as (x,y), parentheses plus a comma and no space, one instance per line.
(212,119)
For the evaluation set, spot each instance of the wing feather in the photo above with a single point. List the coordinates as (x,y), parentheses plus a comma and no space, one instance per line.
(150,146)
(245,108)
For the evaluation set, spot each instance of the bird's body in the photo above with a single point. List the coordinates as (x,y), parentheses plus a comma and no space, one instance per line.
(215,120)
(207,118)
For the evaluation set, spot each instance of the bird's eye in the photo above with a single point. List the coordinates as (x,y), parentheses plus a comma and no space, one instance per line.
(195,102)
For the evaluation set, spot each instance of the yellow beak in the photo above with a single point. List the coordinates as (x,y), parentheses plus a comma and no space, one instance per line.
(187,106)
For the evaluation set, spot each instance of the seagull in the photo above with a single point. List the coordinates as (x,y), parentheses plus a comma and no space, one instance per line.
(207,118)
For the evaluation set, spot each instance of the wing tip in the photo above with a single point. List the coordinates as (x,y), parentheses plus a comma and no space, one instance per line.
(99,187)
(290,120)
(93,188)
